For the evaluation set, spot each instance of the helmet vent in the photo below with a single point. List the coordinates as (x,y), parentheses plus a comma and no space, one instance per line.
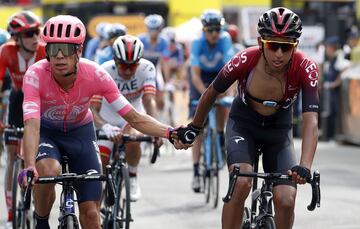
(68,28)
(52,30)
(59,31)
(77,32)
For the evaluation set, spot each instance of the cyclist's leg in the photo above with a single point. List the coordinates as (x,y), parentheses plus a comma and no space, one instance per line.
(47,164)
(105,148)
(160,90)
(196,182)
(84,158)
(11,143)
(240,150)
(281,158)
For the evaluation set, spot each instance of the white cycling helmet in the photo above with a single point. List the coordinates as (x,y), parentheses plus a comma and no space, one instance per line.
(127,49)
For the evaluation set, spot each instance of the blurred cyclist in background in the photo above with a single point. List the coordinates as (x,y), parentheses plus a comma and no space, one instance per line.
(136,80)
(94,43)
(4,95)
(209,53)
(16,56)
(156,50)
(233,30)
(111,32)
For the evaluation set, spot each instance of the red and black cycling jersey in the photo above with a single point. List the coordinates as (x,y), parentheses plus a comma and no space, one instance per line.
(302,74)
(11,59)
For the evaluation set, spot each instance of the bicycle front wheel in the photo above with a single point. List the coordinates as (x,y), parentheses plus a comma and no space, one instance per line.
(121,213)
(268,223)
(18,214)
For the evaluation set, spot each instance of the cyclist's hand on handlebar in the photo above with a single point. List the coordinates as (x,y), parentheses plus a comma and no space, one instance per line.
(22,177)
(2,127)
(112,132)
(188,134)
(300,174)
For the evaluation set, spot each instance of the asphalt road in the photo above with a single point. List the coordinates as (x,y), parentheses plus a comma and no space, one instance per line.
(168,202)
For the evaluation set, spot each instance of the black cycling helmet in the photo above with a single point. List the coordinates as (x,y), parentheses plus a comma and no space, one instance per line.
(280,22)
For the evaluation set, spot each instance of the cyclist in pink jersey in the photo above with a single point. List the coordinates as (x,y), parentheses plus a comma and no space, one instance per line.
(270,77)
(58,122)
(16,56)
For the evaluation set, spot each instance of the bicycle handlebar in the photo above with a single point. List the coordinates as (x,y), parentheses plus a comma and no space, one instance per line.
(71,177)
(314,181)
(136,138)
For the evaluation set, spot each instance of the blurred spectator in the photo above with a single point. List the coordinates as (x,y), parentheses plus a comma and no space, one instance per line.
(351,42)
(334,65)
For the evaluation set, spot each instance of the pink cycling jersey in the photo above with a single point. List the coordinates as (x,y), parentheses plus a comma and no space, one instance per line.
(44,99)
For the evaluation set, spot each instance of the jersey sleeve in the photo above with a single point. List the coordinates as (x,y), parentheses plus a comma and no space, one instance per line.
(106,87)
(309,86)
(195,53)
(3,64)
(233,70)
(150,80)
(31,89)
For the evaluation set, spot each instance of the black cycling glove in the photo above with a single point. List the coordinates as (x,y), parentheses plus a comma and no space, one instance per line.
(188,134)
(302,171)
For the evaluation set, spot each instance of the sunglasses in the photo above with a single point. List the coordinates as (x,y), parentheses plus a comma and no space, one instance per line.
(212,29)
(124,66)
(275,45)
(31,33)
(66,49)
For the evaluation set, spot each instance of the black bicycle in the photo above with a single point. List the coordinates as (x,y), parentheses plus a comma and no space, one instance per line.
(119,215)
(23,214)
(67,218)
(263,217)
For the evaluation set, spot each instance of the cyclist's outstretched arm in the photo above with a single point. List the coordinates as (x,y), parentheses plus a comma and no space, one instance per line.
(205,104)
(146,124)
(309,138)
(31,141)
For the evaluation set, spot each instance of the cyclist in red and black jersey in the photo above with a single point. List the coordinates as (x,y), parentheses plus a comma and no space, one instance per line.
(269,78)
(16,56)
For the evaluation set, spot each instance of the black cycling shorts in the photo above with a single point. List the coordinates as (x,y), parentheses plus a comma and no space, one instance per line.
(80,147)
(247,130)
(15,114)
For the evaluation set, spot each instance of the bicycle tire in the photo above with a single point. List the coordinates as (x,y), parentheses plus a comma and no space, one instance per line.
(17,205)
(70,224)
(215,187)
(268,223)
(121,213)
(215,171)
(207,185)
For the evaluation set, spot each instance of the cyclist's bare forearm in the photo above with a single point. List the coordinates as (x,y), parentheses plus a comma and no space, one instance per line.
(196,79)
(205,104)
(31,141)
(146,124)
(149,103)
(95,109)
(309,138)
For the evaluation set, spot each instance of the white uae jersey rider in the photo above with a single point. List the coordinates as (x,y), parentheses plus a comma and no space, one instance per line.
(143,82)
